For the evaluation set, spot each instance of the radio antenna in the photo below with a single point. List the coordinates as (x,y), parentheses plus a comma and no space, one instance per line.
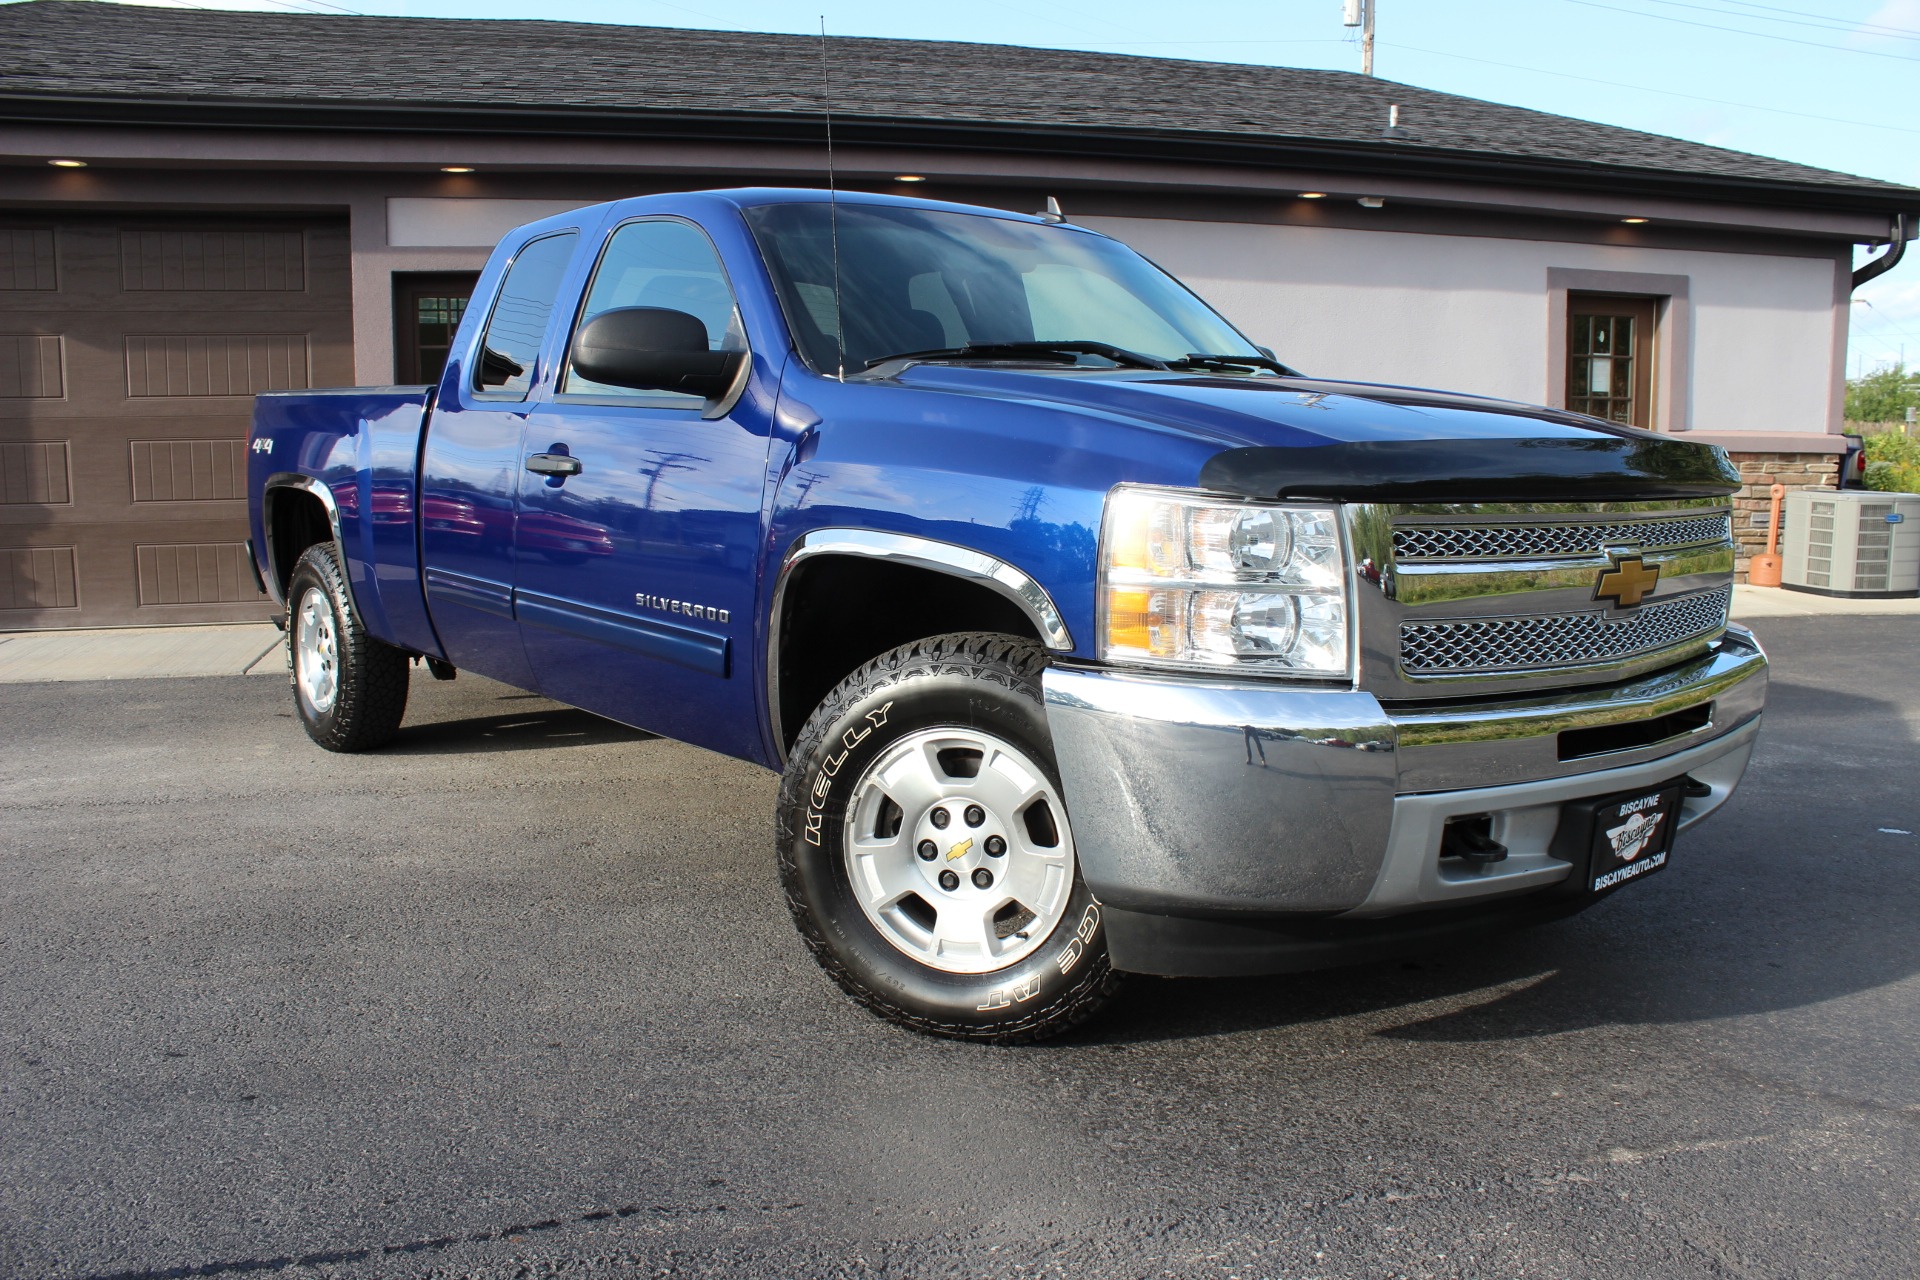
(833,202)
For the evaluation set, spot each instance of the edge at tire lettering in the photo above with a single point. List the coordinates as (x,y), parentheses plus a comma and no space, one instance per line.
(1089,925)
(1003,997)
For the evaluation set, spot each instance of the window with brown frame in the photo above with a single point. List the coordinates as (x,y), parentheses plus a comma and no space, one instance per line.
(426,311)
(1610,356)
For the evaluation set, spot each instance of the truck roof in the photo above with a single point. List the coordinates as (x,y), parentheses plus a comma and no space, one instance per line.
(752,197)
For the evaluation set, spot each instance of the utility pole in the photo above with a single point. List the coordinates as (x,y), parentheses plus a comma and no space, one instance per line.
(1359,13)
(663,461)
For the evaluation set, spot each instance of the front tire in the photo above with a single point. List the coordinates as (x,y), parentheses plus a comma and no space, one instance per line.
(926,852)
(349,689)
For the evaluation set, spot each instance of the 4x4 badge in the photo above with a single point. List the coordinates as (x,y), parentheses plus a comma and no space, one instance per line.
(1627,581)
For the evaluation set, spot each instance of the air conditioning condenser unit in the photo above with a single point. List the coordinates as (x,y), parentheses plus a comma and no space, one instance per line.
(1852,542)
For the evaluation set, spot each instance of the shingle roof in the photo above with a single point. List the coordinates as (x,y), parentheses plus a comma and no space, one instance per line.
(60,49)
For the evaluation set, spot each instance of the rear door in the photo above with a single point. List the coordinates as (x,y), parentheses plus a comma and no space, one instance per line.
(635,577)
(471,466)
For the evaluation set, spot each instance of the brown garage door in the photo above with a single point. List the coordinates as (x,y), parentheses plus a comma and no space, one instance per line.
(129,353)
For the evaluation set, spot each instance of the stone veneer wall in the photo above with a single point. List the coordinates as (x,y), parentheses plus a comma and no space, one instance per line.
(1760,472)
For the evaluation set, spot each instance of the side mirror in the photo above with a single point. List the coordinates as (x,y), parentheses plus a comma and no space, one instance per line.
(653,349)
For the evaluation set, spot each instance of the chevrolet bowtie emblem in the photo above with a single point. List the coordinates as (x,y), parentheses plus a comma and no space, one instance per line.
(1627,581)
(959,850)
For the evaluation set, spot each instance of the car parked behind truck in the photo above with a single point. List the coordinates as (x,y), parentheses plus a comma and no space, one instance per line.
(1087,636)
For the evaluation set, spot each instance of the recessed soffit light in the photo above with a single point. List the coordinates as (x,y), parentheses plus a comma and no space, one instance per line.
(1633,222)
(1313,195)
(68,164)
(909,177)
(456,168)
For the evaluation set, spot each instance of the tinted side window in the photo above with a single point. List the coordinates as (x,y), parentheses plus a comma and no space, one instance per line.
(520,315)
(661,264)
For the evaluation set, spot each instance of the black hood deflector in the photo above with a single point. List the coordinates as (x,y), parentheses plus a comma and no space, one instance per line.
(1601,469)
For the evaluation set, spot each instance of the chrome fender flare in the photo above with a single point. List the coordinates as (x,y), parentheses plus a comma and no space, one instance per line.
(998,576)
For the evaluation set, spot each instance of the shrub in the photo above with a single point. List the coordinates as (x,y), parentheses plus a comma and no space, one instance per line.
(1883,395)
(1892,477)
(1893,463)
(1893,446)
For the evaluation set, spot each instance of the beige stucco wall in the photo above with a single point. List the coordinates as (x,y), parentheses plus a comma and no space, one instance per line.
(1764,337)
(1466,313)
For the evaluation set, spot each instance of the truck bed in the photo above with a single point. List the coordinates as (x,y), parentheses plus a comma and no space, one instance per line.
(362,444)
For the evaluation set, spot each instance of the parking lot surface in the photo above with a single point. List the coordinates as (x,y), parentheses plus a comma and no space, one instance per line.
(518,997)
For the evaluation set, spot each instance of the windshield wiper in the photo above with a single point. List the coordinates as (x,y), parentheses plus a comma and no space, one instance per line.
(1199,361)
(1003,350)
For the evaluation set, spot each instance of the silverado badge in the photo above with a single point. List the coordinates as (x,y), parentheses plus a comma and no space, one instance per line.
(1627,581)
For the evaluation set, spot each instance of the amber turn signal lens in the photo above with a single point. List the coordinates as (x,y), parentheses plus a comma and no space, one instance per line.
(1139,622)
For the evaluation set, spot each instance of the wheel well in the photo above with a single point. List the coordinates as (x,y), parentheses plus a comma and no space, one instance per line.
(295,521)
(839,611)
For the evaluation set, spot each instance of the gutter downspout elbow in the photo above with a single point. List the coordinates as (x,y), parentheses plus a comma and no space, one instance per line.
(1887,261)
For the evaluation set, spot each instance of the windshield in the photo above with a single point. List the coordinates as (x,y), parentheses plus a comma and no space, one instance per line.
(922,280)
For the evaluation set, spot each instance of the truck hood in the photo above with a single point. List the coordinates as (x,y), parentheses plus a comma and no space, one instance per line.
(1308,437)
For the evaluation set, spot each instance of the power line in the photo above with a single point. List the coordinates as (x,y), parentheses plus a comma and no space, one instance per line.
(1742,31)
(1642,88)
(1815,21)
(1875,28)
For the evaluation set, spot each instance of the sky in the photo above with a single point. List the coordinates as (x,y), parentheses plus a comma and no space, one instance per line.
(1832,83)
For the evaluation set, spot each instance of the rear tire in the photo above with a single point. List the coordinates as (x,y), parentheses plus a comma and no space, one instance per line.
(941,748)
(349,689)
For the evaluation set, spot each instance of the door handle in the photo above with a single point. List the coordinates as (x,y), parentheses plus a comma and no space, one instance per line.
(553,464)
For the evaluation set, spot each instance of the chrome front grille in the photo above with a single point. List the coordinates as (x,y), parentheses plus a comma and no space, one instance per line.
(1559,640)
(1472,598)
(1560,538)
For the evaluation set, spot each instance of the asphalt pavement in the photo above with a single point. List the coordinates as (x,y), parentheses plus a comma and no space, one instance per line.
(518,997)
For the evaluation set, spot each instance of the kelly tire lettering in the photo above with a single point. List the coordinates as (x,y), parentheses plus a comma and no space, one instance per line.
(823,782)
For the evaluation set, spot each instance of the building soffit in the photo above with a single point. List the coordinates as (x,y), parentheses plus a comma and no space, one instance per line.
(1182,188)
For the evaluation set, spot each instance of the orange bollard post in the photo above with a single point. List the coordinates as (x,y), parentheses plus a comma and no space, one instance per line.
(1764,569)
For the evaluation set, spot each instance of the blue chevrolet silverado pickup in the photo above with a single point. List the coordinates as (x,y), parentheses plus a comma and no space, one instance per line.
(1089,637)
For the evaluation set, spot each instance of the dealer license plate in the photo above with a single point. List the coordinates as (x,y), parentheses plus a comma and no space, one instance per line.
(1632,837)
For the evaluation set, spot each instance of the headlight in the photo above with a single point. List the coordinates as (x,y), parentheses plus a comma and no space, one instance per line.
(1192,581)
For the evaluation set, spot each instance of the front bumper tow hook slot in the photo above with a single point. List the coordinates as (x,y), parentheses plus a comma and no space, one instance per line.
(1694,789)
(1471,840)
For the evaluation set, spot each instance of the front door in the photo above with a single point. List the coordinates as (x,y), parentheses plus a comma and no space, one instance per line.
(470,471)
(635,575)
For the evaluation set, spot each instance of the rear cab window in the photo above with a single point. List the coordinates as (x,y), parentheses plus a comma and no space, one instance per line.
(510,347)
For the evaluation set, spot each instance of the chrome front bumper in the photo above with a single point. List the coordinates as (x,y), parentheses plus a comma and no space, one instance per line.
(1220,799)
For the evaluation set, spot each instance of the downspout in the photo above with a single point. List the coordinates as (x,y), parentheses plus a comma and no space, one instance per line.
(1887,261)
